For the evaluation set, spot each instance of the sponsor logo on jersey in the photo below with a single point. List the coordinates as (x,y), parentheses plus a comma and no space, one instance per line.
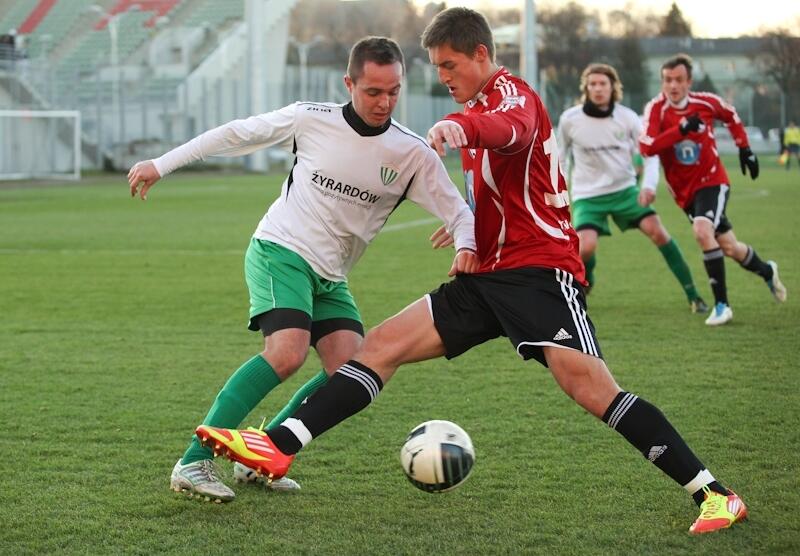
(344,189)
(317,109)
(388,174)
(687,152)
(511,101)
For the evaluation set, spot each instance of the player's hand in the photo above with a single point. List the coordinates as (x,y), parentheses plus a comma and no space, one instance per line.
(748,161)
(465,262)
(441,238)
(690,123)
(142,174)
(646,197)
(446,132)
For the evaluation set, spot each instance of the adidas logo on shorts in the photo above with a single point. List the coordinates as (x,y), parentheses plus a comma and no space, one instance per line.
(562,335)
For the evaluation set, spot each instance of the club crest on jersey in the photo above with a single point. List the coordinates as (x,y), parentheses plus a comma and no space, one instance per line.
(388,175)
(687,152)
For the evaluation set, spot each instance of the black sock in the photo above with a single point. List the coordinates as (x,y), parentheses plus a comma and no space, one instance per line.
(644,426)
(753,263)
(348,391)
(714,261)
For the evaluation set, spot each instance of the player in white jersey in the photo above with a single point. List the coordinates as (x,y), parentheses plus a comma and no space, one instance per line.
(353,166)
(599,140)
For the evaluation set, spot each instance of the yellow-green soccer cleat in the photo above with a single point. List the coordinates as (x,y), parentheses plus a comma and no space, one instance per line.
(251,447)
(718,512)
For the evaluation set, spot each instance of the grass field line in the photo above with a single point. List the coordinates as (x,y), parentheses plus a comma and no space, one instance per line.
(137,252)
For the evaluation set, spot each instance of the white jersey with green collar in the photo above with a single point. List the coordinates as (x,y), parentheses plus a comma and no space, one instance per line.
(346,180)
(600,152)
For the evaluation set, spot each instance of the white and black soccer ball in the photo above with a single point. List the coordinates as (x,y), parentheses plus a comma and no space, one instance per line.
(437,456)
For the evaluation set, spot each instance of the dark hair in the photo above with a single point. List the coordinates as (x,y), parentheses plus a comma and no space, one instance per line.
(679,60)
(380,50)
(460,28)
(608,71)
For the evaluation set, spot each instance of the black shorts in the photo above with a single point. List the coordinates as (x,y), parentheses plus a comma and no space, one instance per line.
(710,203)
(532,307)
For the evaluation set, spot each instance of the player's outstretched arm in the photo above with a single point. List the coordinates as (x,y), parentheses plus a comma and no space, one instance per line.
(446,132)
(141,177)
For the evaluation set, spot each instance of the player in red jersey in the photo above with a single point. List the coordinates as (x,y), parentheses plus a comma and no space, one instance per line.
(679,129)
(529,287)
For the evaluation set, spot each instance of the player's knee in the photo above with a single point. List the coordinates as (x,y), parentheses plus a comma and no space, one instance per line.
(703,230)
(380,348)
(729,249)
(285,361)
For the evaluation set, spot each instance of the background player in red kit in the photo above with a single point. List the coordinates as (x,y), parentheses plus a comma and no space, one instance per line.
(679,129)
(529,286)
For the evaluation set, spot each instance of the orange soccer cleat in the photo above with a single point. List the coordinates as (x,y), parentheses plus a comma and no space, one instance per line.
(251,447)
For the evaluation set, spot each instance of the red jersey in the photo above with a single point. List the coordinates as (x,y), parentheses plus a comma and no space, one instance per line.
(690,161)
(514,182)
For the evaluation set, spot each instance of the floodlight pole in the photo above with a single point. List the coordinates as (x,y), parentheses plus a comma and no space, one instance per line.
(528,56)
(112,22)
(302,55)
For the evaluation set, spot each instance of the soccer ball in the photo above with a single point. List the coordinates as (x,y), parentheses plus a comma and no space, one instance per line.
(437,456)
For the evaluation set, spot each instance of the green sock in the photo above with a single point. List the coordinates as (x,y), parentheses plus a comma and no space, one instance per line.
(306,390)
(244,389)
(590,264)
(677,264)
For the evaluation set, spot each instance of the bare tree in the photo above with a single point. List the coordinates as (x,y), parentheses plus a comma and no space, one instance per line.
(779,60)
(674,24)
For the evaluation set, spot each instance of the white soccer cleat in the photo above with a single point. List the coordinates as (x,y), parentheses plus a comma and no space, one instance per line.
(720,314)
(775,285)
(200,479)
(243,474)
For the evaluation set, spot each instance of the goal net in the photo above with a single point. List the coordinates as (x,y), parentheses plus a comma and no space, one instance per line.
(40,144)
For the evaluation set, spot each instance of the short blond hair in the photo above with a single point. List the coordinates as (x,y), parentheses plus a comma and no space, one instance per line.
(608,71)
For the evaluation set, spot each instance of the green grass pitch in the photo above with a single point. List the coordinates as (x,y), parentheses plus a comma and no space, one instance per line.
(122,319)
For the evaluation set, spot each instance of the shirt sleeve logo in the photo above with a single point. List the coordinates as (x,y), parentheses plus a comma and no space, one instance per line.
(511,101)
(687,152)
(388,175)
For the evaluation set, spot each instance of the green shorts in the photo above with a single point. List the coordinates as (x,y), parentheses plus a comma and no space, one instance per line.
(622,206)
(279,278)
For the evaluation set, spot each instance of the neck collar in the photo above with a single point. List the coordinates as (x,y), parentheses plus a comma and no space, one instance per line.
(681,104)
(594,111)
(359,125)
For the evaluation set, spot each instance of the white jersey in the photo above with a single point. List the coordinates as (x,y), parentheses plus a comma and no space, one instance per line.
(346,180)
(602,151)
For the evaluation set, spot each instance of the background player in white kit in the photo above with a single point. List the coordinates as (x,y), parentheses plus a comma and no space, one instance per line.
(353,166)
(599,140)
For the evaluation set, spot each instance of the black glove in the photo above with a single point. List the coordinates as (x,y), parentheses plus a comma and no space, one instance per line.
(748,161)
(691,123)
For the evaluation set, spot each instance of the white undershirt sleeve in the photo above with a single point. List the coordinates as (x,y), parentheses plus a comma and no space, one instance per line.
(433,190)
(236,138)
(650,172)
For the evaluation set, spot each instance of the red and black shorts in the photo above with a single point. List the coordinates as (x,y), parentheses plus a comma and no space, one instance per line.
(532,307)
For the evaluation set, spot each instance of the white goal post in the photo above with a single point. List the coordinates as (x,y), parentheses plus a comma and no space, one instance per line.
(40,144)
